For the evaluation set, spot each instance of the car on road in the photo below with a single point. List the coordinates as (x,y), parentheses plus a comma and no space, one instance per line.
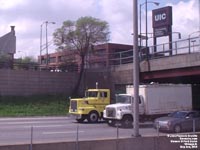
(179,121)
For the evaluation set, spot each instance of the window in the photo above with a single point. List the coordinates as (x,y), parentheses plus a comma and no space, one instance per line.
(103,94)
(92,94)
(52,59)
(43,61)
(61,58)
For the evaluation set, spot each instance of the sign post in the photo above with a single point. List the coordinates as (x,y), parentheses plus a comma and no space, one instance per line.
(162,25)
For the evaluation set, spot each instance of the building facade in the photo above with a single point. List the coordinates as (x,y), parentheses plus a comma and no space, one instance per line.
(8,48)
(102,55)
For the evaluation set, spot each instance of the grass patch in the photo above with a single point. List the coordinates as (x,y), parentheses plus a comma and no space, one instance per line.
(33,105)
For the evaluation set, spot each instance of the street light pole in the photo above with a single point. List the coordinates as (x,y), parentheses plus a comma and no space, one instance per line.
(199,23)
(199,17)
(47,51)
(41,43)
(47,59)
(146,21)
(146,45)
(140,25)
(189,39)
(135,101)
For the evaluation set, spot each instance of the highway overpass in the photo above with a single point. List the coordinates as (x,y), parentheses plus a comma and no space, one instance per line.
(179,65)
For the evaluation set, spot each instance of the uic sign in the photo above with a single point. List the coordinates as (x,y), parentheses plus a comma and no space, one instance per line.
(162,17)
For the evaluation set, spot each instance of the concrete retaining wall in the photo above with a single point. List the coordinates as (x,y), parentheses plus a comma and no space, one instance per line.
(22,82)
(141,143)
(27,82)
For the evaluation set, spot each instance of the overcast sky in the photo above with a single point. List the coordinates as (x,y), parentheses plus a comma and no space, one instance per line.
(28,15)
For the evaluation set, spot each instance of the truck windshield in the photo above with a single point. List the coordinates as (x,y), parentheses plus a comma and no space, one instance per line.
(91,93)
(123,99)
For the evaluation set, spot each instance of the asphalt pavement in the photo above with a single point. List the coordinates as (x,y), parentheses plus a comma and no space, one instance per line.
(62,129)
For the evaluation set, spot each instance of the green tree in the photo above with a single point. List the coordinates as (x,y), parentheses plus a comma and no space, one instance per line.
(26,63)
(4,57)
(68,63)
(5,60)
(80,36)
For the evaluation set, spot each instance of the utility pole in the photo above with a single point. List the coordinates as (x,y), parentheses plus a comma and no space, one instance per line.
(199,17)
(47,50)
(135,102)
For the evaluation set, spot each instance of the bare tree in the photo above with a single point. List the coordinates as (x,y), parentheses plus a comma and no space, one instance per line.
(80,36)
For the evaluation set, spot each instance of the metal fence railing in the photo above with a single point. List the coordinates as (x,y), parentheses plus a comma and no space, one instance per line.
(185,46)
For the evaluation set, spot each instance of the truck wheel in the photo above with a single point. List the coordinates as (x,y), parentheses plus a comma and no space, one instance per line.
(127,121)
(93,117)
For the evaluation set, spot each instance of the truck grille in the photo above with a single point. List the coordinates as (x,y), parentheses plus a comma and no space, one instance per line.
(110,112)
(73,105)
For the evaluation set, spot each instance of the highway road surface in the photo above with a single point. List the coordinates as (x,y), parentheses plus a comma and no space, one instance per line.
(60,129)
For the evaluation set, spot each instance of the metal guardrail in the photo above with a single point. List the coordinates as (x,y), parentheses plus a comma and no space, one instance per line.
(185,46)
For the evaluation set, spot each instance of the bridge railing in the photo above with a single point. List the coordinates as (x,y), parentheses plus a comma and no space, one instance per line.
(185,46)
(121,57)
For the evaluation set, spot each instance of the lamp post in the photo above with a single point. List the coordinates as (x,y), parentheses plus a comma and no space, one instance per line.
(135,103)
(47,57)
(179,34)
(41,42)
(145,3)
(189,39)
(199,17)
(193,41)
(199,23)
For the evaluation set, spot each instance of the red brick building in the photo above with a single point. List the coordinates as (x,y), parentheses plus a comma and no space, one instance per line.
(103,55)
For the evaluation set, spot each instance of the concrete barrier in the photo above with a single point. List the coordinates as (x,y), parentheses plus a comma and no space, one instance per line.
(172,142)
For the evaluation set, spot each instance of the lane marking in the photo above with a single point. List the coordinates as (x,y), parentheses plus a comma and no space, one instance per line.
(43,126)
(62,132)
(34,118)
(23,123)
(13,123)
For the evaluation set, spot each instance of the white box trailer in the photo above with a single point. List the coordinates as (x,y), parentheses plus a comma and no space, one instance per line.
(164,98)
(154,100)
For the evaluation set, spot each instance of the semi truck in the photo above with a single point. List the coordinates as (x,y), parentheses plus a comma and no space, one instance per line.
(154,100)
(91,106)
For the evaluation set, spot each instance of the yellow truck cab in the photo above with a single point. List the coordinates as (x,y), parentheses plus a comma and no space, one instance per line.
(91,106)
